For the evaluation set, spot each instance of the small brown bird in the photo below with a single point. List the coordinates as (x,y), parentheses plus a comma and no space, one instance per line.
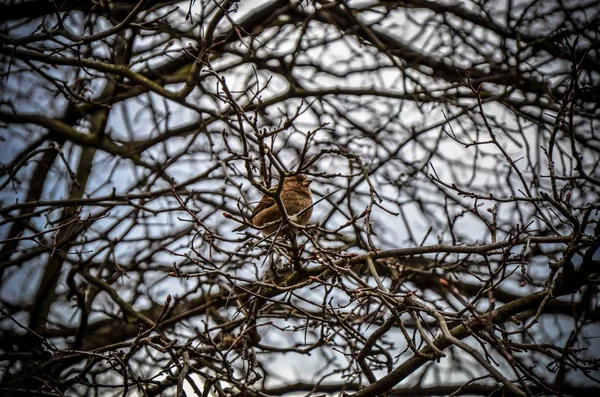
(295,196)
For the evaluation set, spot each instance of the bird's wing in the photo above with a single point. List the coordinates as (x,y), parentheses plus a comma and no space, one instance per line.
(264,203)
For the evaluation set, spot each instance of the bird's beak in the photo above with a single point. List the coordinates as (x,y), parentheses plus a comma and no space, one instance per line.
(307,182)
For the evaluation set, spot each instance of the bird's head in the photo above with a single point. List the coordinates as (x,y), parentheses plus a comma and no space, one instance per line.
(299,179)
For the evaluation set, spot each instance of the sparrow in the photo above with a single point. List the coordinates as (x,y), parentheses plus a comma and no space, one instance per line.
(295,196)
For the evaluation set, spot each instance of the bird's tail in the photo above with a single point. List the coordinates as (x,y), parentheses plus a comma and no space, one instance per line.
(240,228)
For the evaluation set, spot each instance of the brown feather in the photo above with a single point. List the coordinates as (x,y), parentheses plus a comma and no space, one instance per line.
(295,196)
(264,203)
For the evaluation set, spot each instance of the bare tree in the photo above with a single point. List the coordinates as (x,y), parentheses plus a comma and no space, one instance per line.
(454,243)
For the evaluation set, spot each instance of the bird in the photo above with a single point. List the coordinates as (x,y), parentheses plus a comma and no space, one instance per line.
(295,196)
